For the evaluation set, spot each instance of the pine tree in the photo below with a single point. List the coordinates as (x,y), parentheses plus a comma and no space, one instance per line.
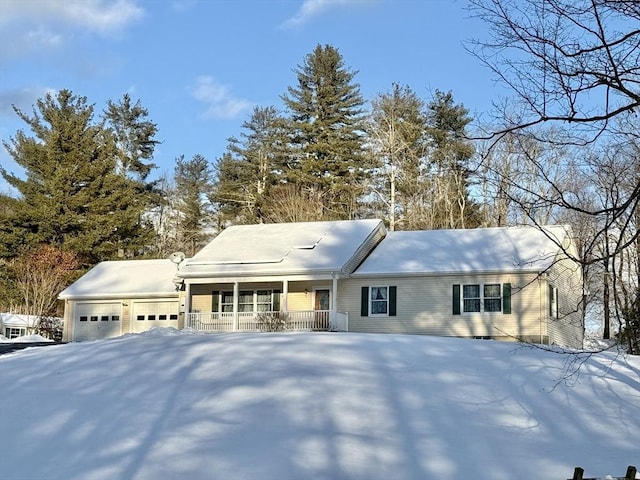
(250,167)
(134,135)
(72,196)
(326,132)
(193,185)
(450,153)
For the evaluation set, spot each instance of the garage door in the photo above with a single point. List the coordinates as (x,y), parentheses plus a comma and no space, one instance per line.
(150,314)
(97,320)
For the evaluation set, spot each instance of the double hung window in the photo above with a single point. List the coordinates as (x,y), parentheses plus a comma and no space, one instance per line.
(481,298)
(378,301)
(492,300)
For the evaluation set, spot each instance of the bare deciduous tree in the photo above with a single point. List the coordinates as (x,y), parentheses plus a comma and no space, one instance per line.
(38,276)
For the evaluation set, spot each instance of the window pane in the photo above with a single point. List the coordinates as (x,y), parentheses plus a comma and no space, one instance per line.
(471,305)
(471,291)
(245,307)
(492,304)
(378,293)
(378,307)
(246,296)
(264,296)
(492,291)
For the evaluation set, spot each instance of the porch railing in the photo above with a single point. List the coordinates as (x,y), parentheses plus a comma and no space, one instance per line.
(307,320)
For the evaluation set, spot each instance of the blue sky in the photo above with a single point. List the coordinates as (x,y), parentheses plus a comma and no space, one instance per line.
(200,66)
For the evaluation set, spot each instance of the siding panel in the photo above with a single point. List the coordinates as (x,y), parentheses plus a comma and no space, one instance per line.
(424,307)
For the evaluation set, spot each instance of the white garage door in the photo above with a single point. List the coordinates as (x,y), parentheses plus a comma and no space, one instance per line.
(157,313)
(97,320)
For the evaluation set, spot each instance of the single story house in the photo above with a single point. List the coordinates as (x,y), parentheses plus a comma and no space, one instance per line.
(14,325)
(512,283)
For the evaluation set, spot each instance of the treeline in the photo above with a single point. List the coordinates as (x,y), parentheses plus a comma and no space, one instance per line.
(564,149)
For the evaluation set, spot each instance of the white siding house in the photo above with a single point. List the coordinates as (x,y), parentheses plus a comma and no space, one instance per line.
(14,325)
(480,283)
(511,283)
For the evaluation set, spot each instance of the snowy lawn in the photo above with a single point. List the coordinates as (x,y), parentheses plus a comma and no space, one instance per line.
(173,405)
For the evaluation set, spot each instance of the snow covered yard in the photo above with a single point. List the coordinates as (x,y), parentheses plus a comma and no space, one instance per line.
(178,405)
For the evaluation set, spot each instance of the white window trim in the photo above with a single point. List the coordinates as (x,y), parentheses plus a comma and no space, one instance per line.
(255,299)
(482,298)
(371,314)
(313,298)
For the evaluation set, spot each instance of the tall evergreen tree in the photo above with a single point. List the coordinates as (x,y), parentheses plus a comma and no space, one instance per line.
(72,196)
(449,155)
(134,136)
(326,132)
(193,182)
(250,167)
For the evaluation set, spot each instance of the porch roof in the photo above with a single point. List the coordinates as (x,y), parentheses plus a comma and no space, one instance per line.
(284,249)
(482,250)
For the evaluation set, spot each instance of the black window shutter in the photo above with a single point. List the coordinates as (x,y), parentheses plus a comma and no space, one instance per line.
(456,299)
(506,298)
(364,302)
(276,300)
(392,301)
(215,301)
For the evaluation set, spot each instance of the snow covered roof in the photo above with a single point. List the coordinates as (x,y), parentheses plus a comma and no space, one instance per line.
(18,320)
(285,248)
(124,278)
(507,249)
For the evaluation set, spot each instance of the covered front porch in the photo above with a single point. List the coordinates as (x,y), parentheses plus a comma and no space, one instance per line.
(263,306)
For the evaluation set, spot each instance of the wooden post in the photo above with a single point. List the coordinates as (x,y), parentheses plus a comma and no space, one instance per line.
(631,473)
(578,472)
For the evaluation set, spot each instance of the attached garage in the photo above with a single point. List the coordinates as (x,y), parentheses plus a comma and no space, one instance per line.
(94,320)
(149,314)
(119,297)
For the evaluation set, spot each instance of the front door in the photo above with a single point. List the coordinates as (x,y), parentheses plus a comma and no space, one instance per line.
(322,305)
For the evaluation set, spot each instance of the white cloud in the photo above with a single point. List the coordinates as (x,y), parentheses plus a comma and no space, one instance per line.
(98,15)
(314,8)
(27,26)
(219,100)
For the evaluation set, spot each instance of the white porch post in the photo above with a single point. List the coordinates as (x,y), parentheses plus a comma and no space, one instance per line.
(285,293)
(187,305)
(334,299)
(235,306)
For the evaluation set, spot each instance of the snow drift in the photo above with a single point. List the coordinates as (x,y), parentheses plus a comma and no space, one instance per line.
(177,405)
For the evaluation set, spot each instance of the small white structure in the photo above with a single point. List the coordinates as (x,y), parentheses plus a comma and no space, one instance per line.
(14,325)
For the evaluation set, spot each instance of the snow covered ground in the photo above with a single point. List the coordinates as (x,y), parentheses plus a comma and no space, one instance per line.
(25,339)
(176,405)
